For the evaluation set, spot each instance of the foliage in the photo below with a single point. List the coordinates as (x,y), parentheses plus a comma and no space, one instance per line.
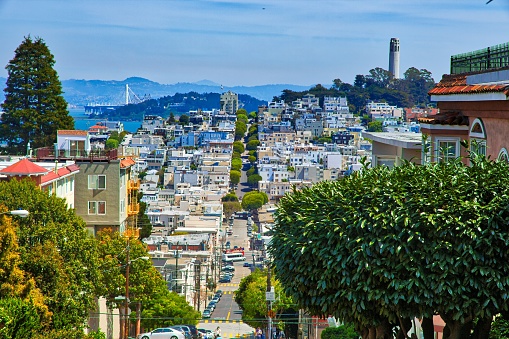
(340,332)
(240,130)
(382,246)
(238,147)
(230,197)
(499,328)
(410,91)
(111,143)
(70,334)
(236,155)
(234,177)
(166,309)
(34,108)
(375,126)
(250,297)
(243,118)
(252,115)
(252,145)
(184,119)
(241,111)
(254,200)
(143,221)
(19,319)
(56,252)
(236,164)
(251,171)
(230,207)
(252,152)
(253,179)
(253,130)
(251,159)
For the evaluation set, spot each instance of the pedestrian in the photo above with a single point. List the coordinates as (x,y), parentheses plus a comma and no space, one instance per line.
(282,334)
(258,333)
(217,333)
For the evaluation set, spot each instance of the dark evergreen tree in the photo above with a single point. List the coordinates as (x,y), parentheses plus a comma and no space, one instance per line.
(34,108)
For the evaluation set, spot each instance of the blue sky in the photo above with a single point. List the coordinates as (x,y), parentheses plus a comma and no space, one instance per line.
(249,42)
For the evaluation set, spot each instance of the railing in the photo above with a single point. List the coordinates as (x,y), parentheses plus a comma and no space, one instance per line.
(491,58)
(48,153)
(133,208)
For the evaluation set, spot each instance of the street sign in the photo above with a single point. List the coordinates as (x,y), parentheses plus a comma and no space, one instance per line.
(270,296)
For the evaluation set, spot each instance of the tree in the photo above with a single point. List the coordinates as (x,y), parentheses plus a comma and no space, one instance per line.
(384,246)
(236,164)
(252,145)
(241,111)
(184,120)
(230,207)
(243,118)
(253,179)
(240,130)
(375,126)
(56,252)
(234,177)
(230,197)
(171,119)
(340,332)
(251,159)
(254,200)
(111,143)
(143,221)
(34,108)
(238,147)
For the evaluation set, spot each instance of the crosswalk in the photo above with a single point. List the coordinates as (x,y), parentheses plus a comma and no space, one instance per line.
(221,321)
(228,285)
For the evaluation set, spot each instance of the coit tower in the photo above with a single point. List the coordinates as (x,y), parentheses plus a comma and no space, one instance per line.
(394,58)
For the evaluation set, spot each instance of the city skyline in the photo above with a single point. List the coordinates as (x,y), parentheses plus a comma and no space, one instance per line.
(250,42)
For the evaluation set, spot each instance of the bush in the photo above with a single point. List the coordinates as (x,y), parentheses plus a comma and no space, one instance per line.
(340,332)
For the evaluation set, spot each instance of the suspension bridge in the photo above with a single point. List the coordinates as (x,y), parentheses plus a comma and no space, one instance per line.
(129,97)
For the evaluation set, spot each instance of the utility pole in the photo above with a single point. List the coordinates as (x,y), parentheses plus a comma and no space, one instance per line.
(176,268)
(269,306)
(126,310)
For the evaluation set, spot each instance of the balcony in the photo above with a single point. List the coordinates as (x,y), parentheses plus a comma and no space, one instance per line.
(133,209)
(133,184)
(96,155)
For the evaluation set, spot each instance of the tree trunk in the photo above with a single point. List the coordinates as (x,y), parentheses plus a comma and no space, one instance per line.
(404,327)
(372,333)
(138,316)
(428,329)
(454,328)
(384,331)
(482,328)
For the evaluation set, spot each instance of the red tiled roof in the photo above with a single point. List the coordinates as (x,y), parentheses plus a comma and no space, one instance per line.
(127,162)
(71,132)
(24,167)
(98,127)
(61,172)
(457,84)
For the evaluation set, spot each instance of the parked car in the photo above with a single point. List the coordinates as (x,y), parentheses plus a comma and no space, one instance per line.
(220,292)
(212,305)
(225,279)
(206,314)
(163,333)
(185,330)
(215,299)
(229,268)
(246,264)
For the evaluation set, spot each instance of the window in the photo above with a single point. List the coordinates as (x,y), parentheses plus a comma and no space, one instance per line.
(97,207)
(503,156)
(97,182)
(446,149)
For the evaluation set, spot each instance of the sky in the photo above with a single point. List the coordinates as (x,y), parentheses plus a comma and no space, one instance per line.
(249,42)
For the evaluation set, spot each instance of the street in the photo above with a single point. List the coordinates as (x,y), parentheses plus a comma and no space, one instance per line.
(227,314)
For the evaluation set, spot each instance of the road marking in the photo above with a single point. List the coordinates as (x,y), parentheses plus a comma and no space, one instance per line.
(228,316)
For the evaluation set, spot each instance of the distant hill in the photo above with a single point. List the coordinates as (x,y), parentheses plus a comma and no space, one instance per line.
(85,92)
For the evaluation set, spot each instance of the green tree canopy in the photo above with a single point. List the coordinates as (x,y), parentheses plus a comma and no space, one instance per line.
(236,164)
(56,251)
(238,147)
(375,126)
(383,246)
(234,177)
(251,159)
(253,179)
(184,119)
(111,143)
(243,118)
(252,145)
(254,200)
(241,111)
(34,108)
(230,207)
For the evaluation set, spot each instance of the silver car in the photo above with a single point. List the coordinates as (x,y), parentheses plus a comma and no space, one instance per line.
(162,333)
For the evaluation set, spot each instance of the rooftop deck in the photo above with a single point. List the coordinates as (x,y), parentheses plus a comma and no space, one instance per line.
(96,155)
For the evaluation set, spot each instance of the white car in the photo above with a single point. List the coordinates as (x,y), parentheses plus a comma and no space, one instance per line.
(162,333)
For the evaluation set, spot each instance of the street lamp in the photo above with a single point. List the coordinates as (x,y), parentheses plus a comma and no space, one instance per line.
(128,264)
(19,213)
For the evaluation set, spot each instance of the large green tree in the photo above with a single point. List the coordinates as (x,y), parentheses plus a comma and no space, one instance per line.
(383,246)
(34,108)
(56,252)
(254,200)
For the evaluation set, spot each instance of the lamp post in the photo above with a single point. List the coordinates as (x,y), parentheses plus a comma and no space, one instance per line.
(176,267)
(19,213)
(126,310)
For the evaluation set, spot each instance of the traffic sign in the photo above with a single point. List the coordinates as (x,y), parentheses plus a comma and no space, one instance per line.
(270,296)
